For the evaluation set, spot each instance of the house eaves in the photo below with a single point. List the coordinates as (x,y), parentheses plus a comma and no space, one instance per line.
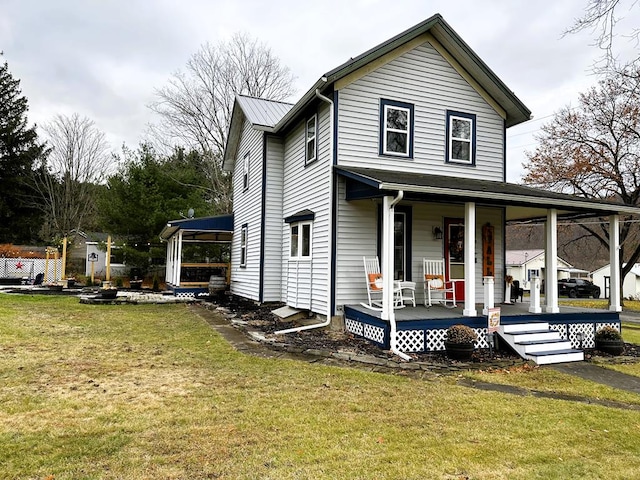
(516,112)
(436,187)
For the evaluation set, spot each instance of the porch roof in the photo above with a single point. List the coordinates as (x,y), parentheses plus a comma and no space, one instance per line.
(204,229)
(521,202)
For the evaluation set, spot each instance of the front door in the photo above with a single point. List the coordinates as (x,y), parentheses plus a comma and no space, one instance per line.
(454,253)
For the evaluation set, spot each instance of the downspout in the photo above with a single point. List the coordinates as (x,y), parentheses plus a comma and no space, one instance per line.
(329,228)
(389,283)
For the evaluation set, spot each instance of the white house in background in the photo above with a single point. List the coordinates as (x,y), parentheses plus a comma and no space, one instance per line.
(630,287)
(524,264)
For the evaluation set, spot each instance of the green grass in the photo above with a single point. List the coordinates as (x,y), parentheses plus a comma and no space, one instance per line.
(148,392)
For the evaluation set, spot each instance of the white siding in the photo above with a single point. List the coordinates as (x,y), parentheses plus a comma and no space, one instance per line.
(358,234)
(421,77)
(307,187)
(245,281)
(273,221)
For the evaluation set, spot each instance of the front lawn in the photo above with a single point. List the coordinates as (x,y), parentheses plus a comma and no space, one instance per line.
(147,391)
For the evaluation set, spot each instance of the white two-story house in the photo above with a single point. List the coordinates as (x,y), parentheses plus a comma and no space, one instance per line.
(399,153)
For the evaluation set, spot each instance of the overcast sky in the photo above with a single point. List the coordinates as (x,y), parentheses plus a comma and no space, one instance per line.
(104,58)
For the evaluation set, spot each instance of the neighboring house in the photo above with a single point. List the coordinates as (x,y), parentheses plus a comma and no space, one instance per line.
(89,248)
(630,286)
(522,265)
(399,153)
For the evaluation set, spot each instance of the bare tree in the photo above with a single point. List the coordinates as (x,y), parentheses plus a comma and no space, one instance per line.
(77,162)
(593,150)
(195,107)
(603,18)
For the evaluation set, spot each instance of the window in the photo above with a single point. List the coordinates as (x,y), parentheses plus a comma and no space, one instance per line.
(245,172)
(243,246)
(461,138)
(311,143)
(300,240)
(396,128)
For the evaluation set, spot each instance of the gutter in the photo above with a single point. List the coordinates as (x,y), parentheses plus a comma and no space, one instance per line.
(327,322)
(392,315)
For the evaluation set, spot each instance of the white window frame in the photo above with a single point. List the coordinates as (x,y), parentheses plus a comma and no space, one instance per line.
(470,119)
(243,245)
(311,139)
(299,240)
(386,107)
(245,172)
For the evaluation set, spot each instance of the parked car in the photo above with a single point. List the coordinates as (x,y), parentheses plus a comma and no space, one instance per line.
(578,287)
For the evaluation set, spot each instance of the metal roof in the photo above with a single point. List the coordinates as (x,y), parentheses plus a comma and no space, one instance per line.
(203,229)
(261,112)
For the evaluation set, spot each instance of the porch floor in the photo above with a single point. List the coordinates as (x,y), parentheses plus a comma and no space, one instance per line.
(438,312)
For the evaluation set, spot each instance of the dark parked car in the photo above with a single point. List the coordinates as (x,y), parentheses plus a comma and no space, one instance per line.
(578,287)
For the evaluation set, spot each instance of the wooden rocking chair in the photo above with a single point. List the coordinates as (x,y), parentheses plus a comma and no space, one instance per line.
(435,284)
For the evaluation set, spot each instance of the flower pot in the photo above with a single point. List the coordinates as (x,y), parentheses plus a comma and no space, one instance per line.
(109,293)
(135,284)
(459,351)
(612,347)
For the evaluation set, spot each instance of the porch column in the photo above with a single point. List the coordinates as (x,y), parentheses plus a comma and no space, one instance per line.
(614,261)
(174,261)
(178,259)
(387,257)
(169,267)
(551,262)
(470,260)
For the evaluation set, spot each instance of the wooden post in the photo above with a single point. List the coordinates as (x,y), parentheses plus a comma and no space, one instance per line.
(93,269)
(64,258)
(108,265)
(46,266)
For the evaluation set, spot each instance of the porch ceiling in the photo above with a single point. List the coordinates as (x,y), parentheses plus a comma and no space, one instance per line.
(203,229)
(520,202)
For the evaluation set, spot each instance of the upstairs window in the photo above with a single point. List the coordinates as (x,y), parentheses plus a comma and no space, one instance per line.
(245,172)
(461,138)
(311,152)
(396,128)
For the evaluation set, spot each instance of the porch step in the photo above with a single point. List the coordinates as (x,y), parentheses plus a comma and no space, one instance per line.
(560,356)
(537,342)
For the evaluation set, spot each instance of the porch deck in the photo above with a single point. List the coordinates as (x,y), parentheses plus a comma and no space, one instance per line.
(422,329)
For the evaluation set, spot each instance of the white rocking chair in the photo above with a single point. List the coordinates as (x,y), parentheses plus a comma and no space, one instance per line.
(435,284)
(374,286)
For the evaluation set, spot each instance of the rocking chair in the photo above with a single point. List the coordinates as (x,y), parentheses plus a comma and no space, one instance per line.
(435,284)
(374,286)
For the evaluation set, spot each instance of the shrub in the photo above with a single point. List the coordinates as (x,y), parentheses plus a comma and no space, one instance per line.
(461,334)
(608,333)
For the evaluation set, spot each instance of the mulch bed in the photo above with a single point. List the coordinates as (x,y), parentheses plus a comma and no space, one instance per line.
(261,319)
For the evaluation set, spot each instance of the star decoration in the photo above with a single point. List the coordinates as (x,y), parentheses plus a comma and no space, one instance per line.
(19,265)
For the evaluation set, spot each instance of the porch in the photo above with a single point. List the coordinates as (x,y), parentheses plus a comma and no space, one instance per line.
(422,329)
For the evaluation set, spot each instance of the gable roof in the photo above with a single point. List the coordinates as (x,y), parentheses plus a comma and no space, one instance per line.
(452,43)
(520,257)
(263,114)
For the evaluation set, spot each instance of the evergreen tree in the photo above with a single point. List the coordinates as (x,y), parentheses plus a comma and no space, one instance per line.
(19,151)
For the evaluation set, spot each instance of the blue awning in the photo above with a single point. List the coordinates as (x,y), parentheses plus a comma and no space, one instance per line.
(204,229)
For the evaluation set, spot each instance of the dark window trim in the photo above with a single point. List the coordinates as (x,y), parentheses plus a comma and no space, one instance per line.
(408,215)
(468,116)
(394,103)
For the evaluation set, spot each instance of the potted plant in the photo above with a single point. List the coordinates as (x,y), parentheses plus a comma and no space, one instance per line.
(460,342)
(609,340)
(108,291)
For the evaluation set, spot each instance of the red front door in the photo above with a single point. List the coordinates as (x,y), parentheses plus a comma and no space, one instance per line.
(454,253)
